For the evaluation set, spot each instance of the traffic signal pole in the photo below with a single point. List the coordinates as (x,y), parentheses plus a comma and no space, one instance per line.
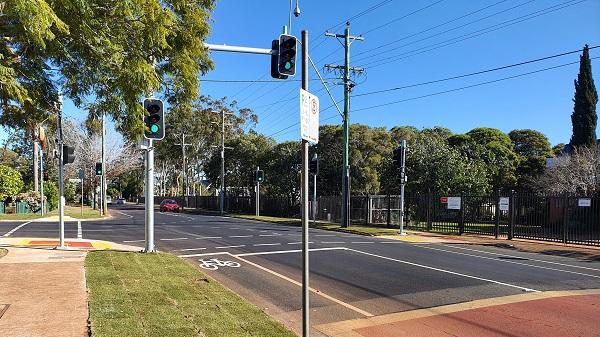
(103,200)
(402,183)
(304,200)
(149,199)
(257,192)
(61,183)
(347,88)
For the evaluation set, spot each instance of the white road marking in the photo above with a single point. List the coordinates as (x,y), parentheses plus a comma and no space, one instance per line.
(79,230)
(173,239)
(177,215)
(131,241)
(209,237)
(324,235)
(225,247)
(267,244)
(290,251)
(520,257)
(332,242)
(362,242)
(240,236)
(444,270)
(189,249)
(16,228)
(127,215)
(508,261)
(269,235)
(205,254)
(298,243)
(392,241)
(216,227)
(318,292)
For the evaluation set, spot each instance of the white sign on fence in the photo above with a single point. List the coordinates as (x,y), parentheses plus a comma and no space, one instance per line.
(504,203)
(584,202)
(453,202)
(309,116)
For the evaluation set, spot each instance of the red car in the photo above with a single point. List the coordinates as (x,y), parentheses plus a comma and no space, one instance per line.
(169,205)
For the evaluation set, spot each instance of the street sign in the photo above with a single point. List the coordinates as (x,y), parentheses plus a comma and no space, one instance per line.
(309,116)
(584,202)
(75,180)
(444,200)
(453,202)
(504,203)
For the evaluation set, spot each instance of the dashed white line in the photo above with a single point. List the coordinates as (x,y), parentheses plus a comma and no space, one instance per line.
(131,241)
(266,244)
(127,215)
(362,242)
(298,243)
(174,239)
(189,249)
(16,229)
(324,235)
(269,235)
(240,236)
(289,251)
(209,237)
(332,242)
(225,247)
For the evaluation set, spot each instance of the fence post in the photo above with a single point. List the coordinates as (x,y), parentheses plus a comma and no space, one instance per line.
(429,210)
(511,211)
(565,217)
(461,216)
(368,218)
(389,210)
(497,216)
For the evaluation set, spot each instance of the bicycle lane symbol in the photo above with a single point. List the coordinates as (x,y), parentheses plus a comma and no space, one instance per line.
(214,264)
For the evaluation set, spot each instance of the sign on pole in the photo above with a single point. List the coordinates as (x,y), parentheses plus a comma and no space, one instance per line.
(453,202)
(584,202)
(309,116)
(504,203)
(444,200)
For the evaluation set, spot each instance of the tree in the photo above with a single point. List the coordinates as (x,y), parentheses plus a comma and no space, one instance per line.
(533,148)
(282,170)
(584,118)
(10,182)
(558,149)
(578,173)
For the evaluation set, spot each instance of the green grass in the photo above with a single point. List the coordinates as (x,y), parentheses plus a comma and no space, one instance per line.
(72,211)
(362,230)
(135,294)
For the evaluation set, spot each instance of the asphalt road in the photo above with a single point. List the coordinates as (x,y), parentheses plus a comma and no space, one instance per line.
(352,276)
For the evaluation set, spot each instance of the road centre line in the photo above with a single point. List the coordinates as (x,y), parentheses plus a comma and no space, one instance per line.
(324,235)
(269,235)
(320,293)
(298,243)
(173,239)
(225,247)
(443,270)
(520,257)
(131,241)
(240,236)
(290,251)
(205,254)
(508,261)
(189,249)
(16,228)
(333,242)
(266,244)
(209,237)
(362,242)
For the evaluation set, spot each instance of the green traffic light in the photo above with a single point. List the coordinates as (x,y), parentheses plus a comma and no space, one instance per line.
(154,128)
(288,65)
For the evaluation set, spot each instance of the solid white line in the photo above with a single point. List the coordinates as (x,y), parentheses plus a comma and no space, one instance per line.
(225,247)
(267,244)
(209,237)
(16,228)
(79,231)
(173,239)
(188,249)
(508,261)
(521,257)
(318,292)
(127,215)
(289,251)
(130,241)
(444,270)
(240,236)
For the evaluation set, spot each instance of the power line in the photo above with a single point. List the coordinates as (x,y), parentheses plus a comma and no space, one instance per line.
(403,17)
(471,35)
(259,81)
(473,74)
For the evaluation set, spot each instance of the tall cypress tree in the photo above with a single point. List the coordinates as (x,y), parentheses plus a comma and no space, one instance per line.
(584,116)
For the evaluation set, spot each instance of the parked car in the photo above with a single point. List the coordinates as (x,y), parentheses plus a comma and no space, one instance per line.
(169,205)
(120,201)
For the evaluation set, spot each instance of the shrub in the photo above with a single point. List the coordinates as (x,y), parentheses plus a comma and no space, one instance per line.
(11,182)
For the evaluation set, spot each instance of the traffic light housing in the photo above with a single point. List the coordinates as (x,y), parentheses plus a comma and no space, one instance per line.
(275,61)
(314,165)
(68,154)
(397,158)
(154,119)
(98,169)
(285,58)
(259,176)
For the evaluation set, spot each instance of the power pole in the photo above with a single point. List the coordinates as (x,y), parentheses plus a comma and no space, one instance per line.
(402,183)
(348,39)
(103,200)
(186,191)
(35,159)
(42,179)
(223,147)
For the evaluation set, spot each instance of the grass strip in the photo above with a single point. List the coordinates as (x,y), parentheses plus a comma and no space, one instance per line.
(135,294)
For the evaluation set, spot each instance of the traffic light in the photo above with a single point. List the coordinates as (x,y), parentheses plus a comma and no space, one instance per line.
(98,169)
(68,154)
(155,120)
(286,60)
(314,165)
(259,176)
(397,158)
(46,176)
(275,61)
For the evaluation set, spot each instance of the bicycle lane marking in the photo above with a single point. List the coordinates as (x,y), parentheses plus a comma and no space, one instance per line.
(16,229)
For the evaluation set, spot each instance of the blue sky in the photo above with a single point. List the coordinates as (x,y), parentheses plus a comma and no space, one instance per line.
(541,101)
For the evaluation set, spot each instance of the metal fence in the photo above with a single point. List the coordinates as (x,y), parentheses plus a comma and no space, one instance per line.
(567,219)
